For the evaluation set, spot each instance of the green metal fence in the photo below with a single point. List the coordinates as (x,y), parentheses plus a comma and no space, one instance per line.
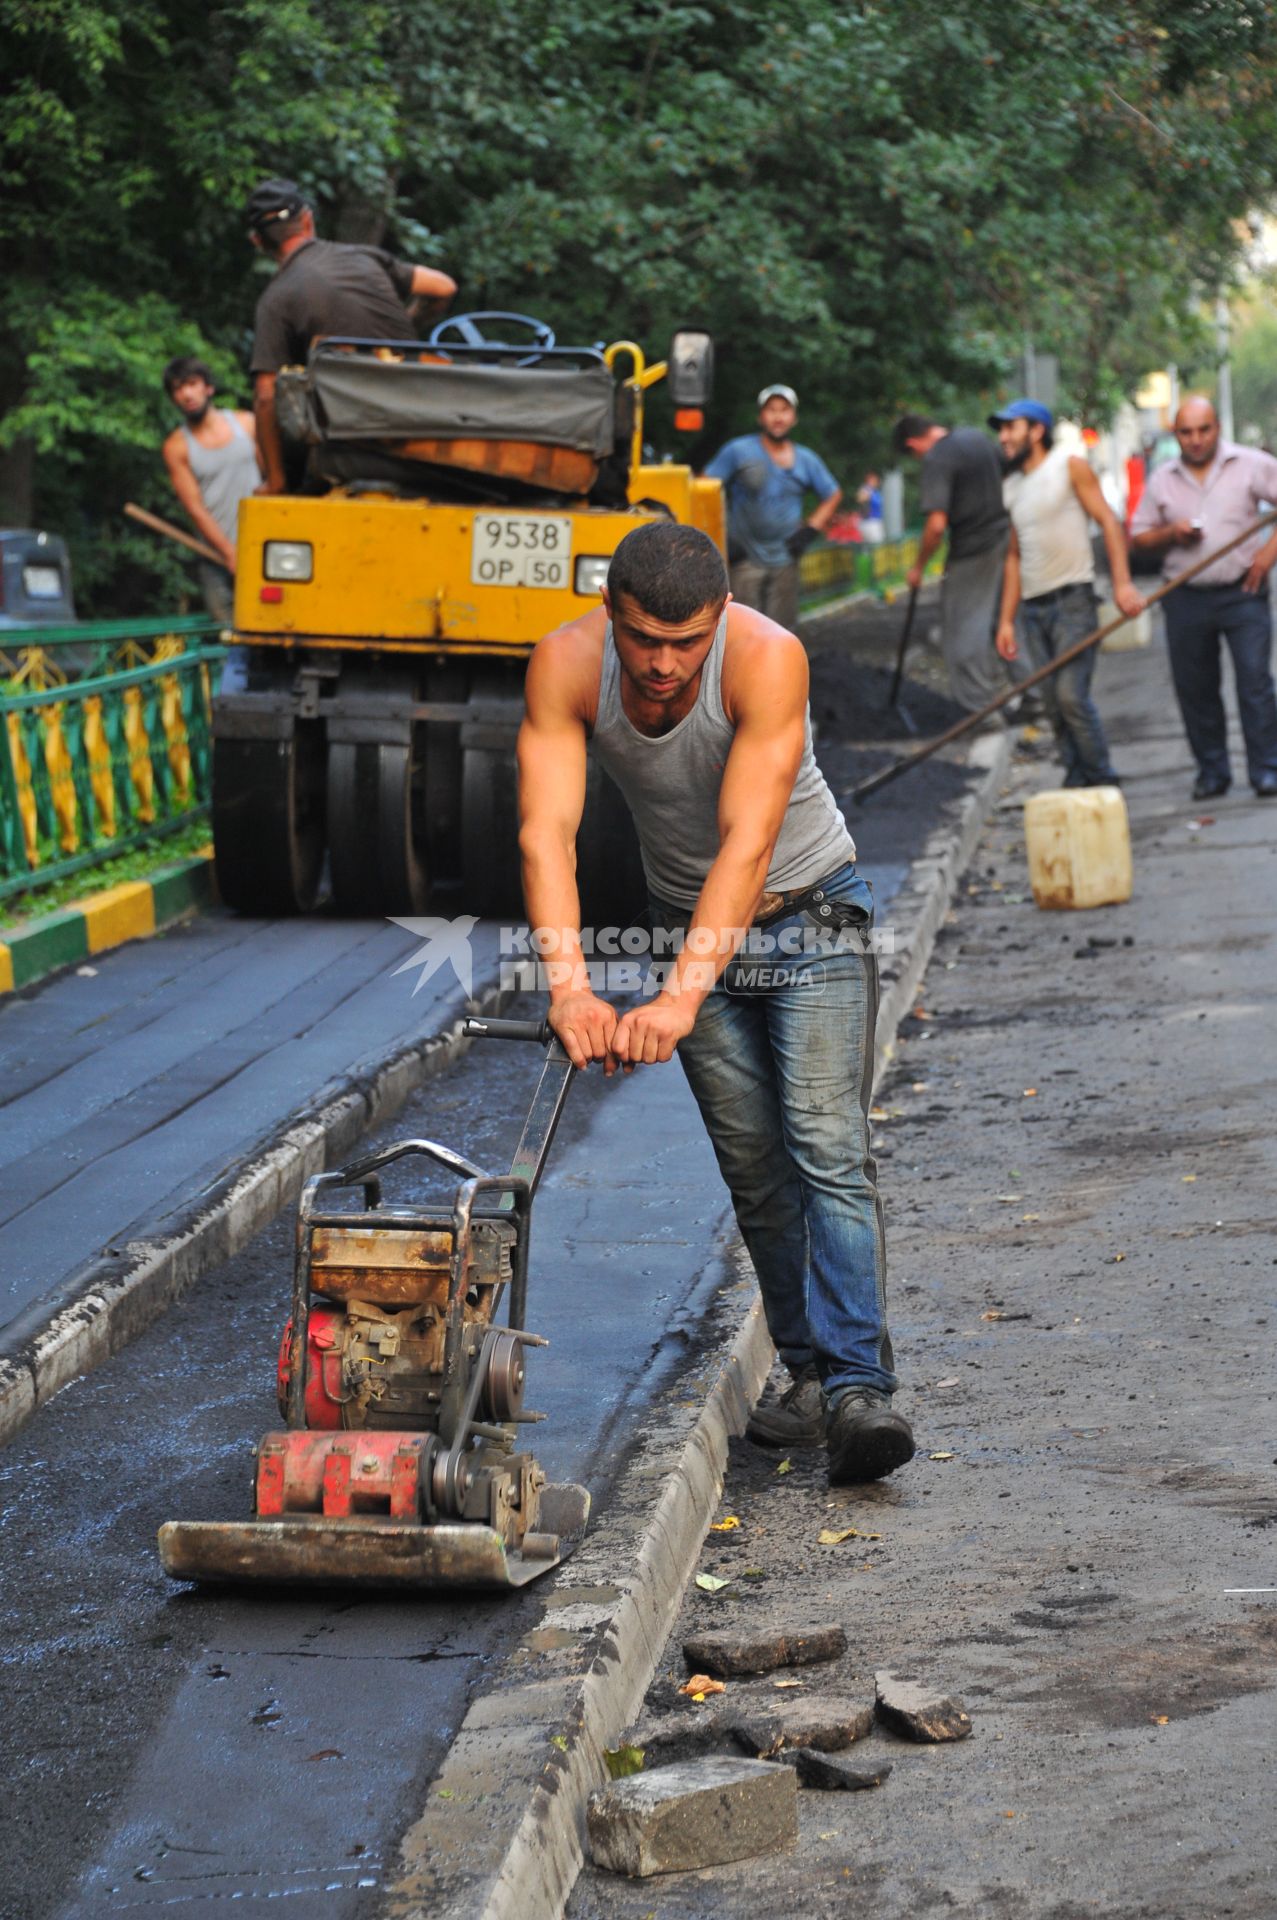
(105,739)
(96,765)
(828,571)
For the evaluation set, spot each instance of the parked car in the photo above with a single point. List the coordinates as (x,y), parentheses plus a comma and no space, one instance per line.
(35,580)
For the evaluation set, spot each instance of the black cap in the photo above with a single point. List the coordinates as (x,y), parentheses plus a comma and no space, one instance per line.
(273,200)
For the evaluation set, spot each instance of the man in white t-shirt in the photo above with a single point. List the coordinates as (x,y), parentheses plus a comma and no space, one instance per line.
(1048,585)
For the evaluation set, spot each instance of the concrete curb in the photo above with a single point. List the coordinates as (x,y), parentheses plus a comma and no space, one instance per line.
(104,919)
(501,1835)
(103,1306)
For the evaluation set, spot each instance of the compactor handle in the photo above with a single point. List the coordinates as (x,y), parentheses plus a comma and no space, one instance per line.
(538,1031)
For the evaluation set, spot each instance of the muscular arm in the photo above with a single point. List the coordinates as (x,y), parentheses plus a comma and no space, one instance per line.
(765,696)
(552,770)
(270,446)
(1091,496)
(186,487)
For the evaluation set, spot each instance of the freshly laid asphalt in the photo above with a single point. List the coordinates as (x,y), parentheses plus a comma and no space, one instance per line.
(177,1748)
(131,1088)
(1078,1162)
(128,1091)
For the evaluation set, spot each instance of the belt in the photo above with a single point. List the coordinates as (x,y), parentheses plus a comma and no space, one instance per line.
(832,912)
(1056,593)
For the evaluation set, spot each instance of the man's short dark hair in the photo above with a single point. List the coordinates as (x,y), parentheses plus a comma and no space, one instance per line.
(186,367)
(669,571)
(910,426)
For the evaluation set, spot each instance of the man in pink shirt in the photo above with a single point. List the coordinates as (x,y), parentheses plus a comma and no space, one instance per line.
(1200,501)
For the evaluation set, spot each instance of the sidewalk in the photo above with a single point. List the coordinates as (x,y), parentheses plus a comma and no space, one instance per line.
(1078,1163)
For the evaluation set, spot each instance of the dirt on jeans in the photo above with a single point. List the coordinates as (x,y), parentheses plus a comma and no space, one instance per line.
(1078,1161)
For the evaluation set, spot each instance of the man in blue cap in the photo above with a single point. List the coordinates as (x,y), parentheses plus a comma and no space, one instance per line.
(1048,586)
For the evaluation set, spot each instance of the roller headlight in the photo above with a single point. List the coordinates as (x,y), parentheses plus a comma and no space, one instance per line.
(590,577)
(288,560)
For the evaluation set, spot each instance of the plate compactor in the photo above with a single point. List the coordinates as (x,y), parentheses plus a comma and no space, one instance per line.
(402,1393)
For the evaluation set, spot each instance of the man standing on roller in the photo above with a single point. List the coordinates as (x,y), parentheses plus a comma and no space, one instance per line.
(319,287)
(697,708)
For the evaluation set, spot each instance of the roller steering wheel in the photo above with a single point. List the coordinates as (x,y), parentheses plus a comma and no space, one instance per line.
(468,330)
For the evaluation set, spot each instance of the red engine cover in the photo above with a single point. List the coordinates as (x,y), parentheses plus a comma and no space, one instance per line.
(323,1368)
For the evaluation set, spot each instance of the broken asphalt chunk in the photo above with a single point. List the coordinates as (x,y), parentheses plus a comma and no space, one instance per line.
(834,1772)
(827,1725)
(919,1711)
(700,1814)
(676,1737)
(727,1654)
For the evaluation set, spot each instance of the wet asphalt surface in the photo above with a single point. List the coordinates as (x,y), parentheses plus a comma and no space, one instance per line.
(130,1085)
(179,1747)
(1078,1163)
(184,1749)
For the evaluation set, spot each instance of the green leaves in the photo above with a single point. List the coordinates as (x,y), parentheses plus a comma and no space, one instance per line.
(874,204)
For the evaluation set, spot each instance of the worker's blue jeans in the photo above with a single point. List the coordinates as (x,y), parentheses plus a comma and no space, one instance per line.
(1047,627)
(1197,619)
(781,1064)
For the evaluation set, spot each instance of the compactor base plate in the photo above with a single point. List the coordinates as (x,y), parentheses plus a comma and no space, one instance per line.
(308,1550)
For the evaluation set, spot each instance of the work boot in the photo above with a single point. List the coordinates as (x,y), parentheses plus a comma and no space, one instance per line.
(794,1418)
(866,1439)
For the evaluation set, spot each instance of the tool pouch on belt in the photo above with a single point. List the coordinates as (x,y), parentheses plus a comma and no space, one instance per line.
(834,915)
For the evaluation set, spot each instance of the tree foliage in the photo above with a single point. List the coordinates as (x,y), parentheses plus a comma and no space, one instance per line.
(875,203)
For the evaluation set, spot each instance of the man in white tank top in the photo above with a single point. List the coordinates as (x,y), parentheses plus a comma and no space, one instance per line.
(689,698)
(1048,591)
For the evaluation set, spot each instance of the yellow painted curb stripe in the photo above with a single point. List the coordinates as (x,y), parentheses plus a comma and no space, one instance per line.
(126,912)
(6,969)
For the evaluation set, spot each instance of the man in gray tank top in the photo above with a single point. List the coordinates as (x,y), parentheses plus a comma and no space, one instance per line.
(212,464)
(698,709)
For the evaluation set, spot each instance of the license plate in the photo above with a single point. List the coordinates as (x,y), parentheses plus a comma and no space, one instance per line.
(42,583)
(522,550)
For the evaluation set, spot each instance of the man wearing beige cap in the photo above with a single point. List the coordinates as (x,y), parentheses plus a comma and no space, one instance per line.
(767,477)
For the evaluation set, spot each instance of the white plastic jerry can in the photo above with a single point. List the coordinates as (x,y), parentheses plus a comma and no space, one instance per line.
(1079,847)
(1133,633)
